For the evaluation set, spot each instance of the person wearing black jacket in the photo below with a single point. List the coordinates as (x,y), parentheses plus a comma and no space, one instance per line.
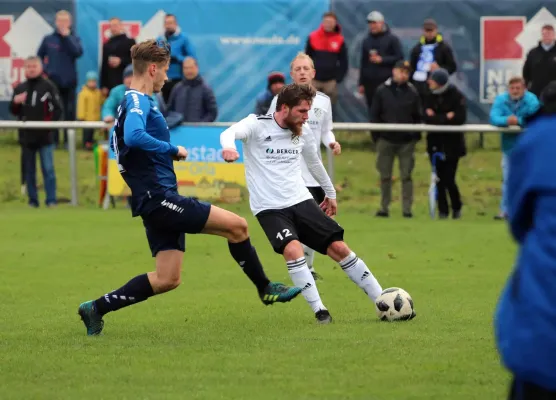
(445,105)
(396,101)
(116,56)
(380,51)
(431,53)
(540,66)
(37,99)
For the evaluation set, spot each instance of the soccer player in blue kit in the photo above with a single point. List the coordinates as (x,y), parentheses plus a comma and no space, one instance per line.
(141,143)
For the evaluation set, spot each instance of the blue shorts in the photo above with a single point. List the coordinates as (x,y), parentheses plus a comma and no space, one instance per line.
(168,223)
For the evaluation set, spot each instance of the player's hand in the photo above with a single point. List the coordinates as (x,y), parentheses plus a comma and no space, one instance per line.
(430,112)
(20,98)
(109,119)
(329,206)
(450,115)
(336,148)
(230,155)
(182,154)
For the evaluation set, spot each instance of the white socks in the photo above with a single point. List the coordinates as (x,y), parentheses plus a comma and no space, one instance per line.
(302,278)
(309,257)
(358,272)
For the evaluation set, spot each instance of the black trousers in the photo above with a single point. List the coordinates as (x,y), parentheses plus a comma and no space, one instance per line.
(370,89)
(67,96)
(527,391)
(446,171)
(167,89)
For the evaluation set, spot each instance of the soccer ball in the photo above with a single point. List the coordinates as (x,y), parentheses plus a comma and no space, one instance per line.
(394,304)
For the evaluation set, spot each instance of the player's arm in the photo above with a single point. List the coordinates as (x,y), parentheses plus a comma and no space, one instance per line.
(316,168)
(135,128)
(238,131)
(328,138)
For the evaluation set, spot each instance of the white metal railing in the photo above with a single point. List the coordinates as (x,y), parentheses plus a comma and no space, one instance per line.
(71,126)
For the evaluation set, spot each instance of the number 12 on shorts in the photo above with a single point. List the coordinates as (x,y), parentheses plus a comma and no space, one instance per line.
(286,233)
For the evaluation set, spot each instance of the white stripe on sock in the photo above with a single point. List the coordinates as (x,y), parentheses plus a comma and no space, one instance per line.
(360,274)
(302,278)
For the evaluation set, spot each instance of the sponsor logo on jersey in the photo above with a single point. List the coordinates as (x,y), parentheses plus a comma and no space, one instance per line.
(282,151)
(268,139)
(136,110)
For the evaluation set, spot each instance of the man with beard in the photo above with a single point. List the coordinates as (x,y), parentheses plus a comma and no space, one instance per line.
(274,146)
(302,71)
(180,48)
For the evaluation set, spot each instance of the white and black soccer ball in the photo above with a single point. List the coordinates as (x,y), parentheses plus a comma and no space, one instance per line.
(394,304)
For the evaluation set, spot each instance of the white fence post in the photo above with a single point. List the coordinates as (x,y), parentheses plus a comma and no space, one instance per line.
(72,150)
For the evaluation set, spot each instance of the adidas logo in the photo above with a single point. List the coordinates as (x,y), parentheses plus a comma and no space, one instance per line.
(365,275)
(307,286)
(268,139)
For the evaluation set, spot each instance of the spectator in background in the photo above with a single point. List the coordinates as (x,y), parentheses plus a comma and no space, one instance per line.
(525,317)
(276,81)
(180,47)
(540,66)
(327,49)
(59,52)
(511,109)
(431,53)
(380,51)
(192,97)
(444,104)
(116,56)
(89,103)
(396,101)
(116,96)
(37,99)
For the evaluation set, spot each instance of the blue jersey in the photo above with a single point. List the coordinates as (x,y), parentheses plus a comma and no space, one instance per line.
(141,143)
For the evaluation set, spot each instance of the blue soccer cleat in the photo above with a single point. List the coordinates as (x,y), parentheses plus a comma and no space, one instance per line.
(278,293)
(92,320)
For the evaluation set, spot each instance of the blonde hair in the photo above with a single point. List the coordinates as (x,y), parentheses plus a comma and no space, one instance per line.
(302,56)
(516,79)
(63,13)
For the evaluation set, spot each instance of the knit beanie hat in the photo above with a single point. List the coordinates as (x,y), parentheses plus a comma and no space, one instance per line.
(440,76)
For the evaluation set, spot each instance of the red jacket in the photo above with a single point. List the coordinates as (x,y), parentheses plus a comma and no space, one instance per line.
(329,53)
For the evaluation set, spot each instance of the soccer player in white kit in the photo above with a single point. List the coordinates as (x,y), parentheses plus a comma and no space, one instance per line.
(274,146)
(302,71)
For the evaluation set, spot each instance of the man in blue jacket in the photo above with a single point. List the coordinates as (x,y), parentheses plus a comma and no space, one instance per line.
(59,52)
(181,48)
(511,109)
(525,319)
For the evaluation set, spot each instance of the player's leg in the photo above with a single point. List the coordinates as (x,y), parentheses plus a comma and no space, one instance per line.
(167,246)
(318,194)
(234,228)
(281,231)
(326,236)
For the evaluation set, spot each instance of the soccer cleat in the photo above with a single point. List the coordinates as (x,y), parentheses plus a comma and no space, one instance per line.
(278,292)
(92,320)
(323,317)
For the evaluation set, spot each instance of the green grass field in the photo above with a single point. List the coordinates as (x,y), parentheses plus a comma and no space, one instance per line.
(213,339)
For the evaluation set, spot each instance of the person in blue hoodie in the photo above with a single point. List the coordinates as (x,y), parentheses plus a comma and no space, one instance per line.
(59,52)
(525,318)
(180,48)
(511,109)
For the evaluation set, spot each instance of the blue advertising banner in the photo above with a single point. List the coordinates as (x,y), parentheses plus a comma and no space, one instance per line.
(238,42)
(204,174)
